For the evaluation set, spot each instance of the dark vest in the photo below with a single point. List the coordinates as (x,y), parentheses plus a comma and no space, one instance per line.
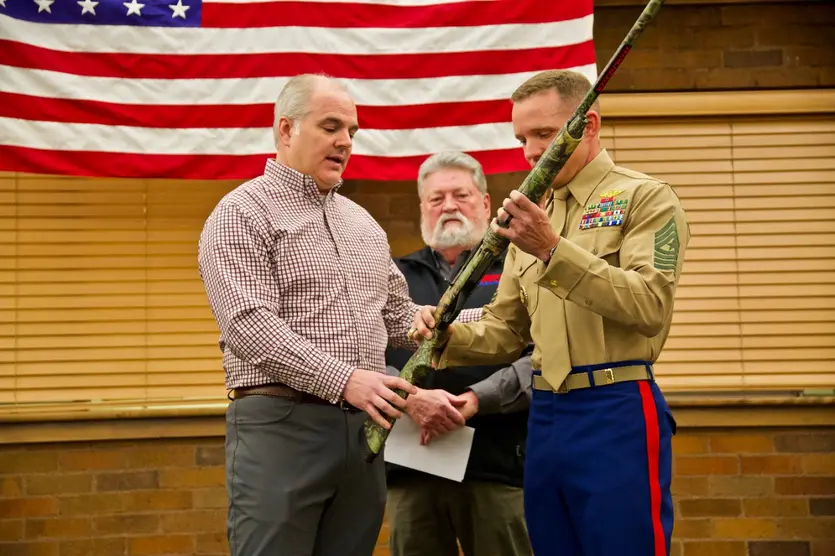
(499,441)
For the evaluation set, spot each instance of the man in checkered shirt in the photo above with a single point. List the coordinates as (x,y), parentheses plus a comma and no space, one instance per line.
(306,296)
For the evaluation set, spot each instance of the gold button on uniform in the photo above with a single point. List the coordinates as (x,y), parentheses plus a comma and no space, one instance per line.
(523,295)
(554,283)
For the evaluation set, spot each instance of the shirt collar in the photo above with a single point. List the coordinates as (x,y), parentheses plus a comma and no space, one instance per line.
(590,176)
(463,255)
(284,176)
(452,269)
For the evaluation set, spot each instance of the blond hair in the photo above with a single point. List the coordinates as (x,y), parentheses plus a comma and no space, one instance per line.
(570,85)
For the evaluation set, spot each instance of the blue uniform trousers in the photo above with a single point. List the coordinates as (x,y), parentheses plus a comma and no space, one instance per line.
(597,471)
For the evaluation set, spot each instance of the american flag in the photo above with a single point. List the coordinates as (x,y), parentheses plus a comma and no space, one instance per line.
(185,89)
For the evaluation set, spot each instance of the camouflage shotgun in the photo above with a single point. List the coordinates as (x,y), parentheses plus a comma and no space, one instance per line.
(491,246)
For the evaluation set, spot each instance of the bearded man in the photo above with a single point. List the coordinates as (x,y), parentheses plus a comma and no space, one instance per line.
(430,515)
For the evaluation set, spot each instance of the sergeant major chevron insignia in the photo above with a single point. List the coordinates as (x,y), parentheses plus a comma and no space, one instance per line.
(665,256)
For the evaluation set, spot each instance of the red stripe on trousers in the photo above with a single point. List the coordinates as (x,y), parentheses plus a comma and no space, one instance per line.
(653,449)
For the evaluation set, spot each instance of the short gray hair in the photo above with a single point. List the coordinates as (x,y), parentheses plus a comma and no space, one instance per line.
(452,159)
(294,99)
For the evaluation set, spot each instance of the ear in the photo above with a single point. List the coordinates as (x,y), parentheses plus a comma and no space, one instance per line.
(285,130)
(487,206)
(592,123)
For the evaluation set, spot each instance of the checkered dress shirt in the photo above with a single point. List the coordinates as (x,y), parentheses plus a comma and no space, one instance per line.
(302,285)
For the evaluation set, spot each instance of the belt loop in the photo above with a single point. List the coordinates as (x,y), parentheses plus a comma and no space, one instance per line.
(590,374)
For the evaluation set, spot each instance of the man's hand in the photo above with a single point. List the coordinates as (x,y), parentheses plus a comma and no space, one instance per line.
(372,391)
(467,404)
(530,229)
(435,410)
(422,324)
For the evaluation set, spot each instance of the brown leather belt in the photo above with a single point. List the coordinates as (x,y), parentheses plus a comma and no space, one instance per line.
(276,390)
(578,381)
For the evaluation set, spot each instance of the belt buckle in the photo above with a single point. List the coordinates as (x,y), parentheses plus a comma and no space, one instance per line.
(563,389)
(344,406)
(608,376)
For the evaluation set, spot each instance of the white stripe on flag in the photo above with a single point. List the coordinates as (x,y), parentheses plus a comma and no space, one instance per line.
(366,92)
(191,41)
(242,141)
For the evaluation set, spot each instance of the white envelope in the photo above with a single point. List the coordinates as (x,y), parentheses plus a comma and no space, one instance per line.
(445,456)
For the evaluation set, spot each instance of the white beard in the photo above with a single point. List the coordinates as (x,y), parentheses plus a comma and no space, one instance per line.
(464,236)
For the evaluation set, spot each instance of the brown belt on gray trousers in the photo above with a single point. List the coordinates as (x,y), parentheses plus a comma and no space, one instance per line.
(277,390)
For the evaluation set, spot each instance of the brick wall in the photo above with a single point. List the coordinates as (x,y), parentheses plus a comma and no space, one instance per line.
(755,492)
(714,47)
(113,499)
(752,492)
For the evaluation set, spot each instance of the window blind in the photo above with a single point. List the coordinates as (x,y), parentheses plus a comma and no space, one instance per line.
(100,298)
(756,305)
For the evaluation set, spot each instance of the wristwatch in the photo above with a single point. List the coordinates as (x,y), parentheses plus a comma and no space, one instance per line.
(551,253)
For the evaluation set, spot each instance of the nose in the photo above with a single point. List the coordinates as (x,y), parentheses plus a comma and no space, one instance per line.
(533,152)
(450,205)
(343,139)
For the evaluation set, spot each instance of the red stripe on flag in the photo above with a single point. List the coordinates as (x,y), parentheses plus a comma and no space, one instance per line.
(419,116)
(406,168)
(342,15)
(118,165)
(443,114)
(219,167)
(26,107)
(653,449)
(285,64)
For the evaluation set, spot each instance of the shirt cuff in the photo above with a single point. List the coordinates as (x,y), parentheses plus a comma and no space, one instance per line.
(488,397)
(457,345)
(566,268)
(329,383)
(469,315)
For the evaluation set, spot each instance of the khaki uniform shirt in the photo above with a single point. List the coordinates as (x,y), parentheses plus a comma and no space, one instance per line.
(607,293)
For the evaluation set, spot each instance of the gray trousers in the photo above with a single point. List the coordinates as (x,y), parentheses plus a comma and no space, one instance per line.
(297,481)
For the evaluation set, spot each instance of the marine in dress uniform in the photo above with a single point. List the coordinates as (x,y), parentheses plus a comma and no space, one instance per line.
(598,310)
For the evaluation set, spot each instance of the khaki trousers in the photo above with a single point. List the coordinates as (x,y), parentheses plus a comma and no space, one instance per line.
(430,516)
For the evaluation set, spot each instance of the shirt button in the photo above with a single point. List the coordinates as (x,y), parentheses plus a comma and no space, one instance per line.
(588,301)
(594,251)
